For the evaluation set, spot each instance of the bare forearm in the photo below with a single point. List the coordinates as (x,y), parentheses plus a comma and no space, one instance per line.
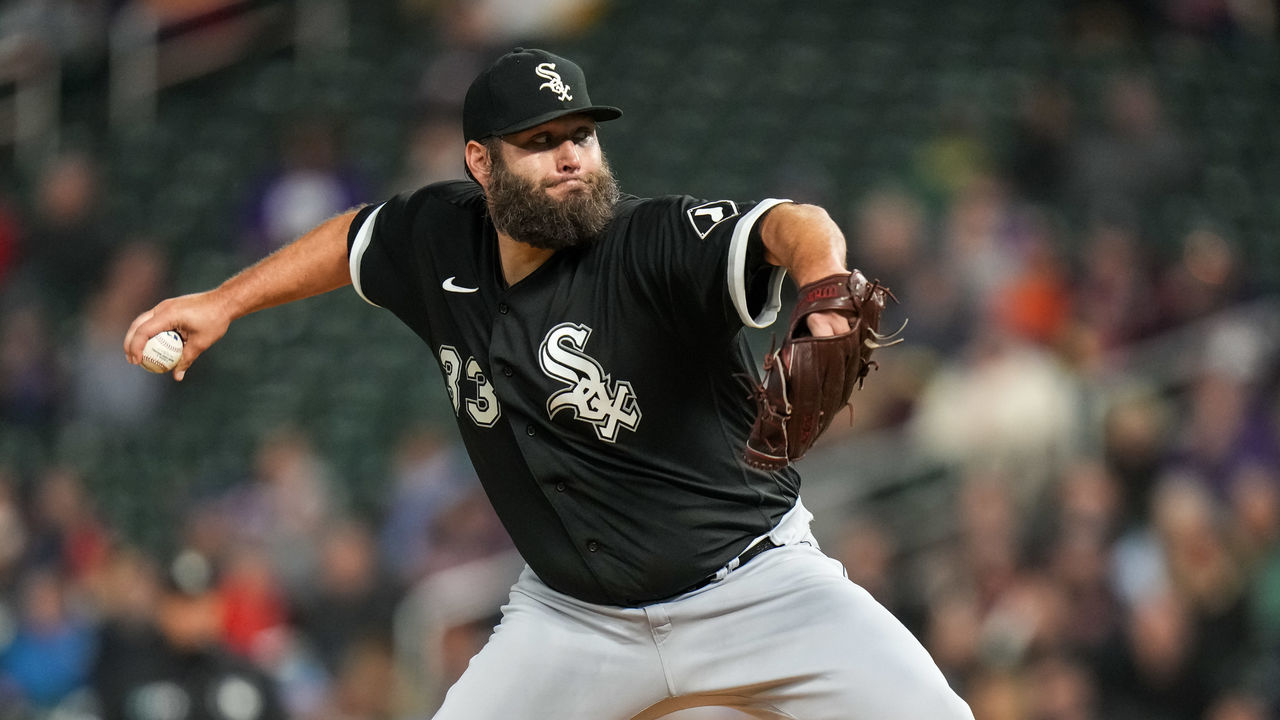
(804,240)
(313,264)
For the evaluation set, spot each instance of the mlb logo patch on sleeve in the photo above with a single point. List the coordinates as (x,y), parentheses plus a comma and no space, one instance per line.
(706,216)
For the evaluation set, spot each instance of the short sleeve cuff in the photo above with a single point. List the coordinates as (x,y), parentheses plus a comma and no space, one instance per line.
(737,268)
(359,244)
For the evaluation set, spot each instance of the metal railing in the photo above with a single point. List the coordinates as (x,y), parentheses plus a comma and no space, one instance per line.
(152,46)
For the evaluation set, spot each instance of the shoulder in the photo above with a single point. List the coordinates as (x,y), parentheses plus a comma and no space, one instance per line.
(459,194)
(455,192)
(651,210)
(452,204)
(685,213)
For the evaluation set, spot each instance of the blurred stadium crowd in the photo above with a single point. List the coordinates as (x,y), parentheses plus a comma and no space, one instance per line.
(1067,482)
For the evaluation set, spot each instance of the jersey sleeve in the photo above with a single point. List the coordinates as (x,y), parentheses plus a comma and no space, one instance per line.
(714,250)
(380,255)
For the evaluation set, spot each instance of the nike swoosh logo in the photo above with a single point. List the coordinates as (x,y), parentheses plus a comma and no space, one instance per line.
(451,286)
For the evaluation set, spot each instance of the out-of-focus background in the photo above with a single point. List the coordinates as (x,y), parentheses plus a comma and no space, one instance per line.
(1066,482)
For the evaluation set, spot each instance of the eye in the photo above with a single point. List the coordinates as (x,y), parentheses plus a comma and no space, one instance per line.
(584,136)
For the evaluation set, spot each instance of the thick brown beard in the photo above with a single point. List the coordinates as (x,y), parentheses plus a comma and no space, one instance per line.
(524,210)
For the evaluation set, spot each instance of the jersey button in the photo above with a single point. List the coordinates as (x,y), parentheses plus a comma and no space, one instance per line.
(561,487)
(506,370)
(502,308)
(592,546)
(529,430)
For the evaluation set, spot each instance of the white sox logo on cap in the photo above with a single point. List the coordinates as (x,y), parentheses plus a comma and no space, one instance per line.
(554,83)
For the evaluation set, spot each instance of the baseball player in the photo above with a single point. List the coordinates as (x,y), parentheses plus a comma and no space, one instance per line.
(591,347)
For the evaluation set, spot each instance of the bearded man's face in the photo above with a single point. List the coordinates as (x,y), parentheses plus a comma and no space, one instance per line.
(557,193)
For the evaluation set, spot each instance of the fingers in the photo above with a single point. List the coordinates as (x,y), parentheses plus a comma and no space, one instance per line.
(825,324)
(165,316)
(134,354)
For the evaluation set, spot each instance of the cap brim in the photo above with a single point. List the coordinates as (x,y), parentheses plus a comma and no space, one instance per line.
(599,113)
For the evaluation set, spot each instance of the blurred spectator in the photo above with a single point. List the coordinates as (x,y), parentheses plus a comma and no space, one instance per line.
(466,33)
(306,689)
(464,46)
(957,157)
(179,668)
(1225,429)
(888,235)
(952,635)
(1035,301)
(50,653)
(1113,290)
(1136,159)
(1206,575)
(468,530)
(311,184)
(429,477)
(253,604)
(1135,431)
(65,530)
(30,373)
(1255,514)
(284,508)
(366,686)
(981,246)
(433,152)
(107,392)
(991,533)
(1077,531)
(1079,567)
(890,240)
(127,595)
(1007,406)
(1038,162)
(350,610)
(998,695)
(869,554)
(1062,688)
(1155,673)
(1088,497)
(65,249)
(1205,279)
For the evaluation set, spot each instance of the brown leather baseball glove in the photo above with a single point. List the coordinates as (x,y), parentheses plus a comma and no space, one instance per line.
(809,379)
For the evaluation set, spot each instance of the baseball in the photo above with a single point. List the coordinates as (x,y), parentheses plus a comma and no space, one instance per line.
(162,352)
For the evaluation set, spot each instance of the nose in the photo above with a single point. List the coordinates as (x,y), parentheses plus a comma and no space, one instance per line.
(568,159)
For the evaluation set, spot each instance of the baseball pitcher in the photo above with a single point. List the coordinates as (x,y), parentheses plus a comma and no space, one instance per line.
(591,346)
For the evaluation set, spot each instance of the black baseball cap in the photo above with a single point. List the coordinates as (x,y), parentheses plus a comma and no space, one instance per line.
(525,88)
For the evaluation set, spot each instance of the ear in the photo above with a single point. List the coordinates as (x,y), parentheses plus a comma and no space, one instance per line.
(479,163)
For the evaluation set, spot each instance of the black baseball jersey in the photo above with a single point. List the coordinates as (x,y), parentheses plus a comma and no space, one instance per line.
(603,399)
